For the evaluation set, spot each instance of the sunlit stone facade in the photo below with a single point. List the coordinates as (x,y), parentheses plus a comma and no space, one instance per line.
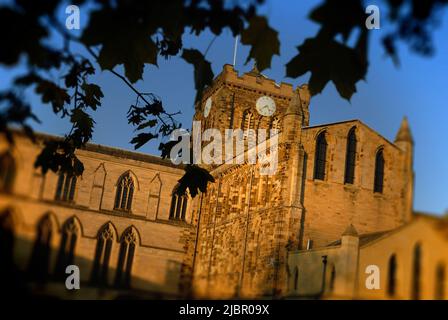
(340,200)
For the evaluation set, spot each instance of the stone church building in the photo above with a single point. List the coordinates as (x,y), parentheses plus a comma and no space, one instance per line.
(334,221)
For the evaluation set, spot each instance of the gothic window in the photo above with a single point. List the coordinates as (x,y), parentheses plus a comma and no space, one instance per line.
(65,190)
(296,279)
(248,120)
(440,282)
(125,191)
(321,157)
(248,123)
(66,254)
(125,258)
(40,258)
(416,272)
(350,157)
(379,172)
(392,276)
(6,241)
(105,240)
(178,206)
(7,172)
(332,278)
(275,124)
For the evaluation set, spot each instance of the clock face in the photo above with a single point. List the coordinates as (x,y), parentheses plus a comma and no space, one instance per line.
(208,106)
(265,106)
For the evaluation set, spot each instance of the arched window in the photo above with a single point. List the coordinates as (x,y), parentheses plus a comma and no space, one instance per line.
(7,172)
(416,272)
(332,278)
(440,282)
(66,254)
(125,191)
(65,190)
(392,276)
(379,172)
(125,258)
(178,206)
(40,258)
(248,125)
(321,157)
(247,121)
(106,237)
(6,242)
(296,279)
(275,124)
(350,158)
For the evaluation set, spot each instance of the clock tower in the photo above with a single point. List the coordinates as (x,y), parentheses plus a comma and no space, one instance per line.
(248,101)
(249,215)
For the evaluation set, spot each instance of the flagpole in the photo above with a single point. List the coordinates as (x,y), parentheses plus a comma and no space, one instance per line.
(234,50)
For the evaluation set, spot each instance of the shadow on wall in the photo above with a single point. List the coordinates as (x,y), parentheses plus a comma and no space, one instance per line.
(42,273)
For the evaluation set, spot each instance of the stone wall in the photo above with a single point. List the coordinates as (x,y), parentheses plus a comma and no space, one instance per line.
(331,205)
(160,249)
(347,263)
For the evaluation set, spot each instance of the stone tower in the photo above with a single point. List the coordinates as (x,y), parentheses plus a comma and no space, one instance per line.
(232,98)
(248,220)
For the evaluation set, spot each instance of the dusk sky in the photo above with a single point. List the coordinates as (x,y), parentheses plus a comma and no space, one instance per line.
(417,89)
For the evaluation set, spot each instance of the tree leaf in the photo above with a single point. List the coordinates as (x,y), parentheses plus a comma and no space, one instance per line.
(329,60)
(78,166)
(195,179)
(51,93)
(336,18)
(150,123)
(165,148)
(141,139)
(203,74)
(92,95)
(123,39)
(263,41)
(20,25)
(83,124)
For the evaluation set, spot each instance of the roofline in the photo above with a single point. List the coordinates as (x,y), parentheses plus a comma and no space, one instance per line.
(330,124)
(355,121)
(108,150)
(428,215)
(417,216)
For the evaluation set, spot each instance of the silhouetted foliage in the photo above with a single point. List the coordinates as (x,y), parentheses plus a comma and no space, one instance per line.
(132,34)
(263,41)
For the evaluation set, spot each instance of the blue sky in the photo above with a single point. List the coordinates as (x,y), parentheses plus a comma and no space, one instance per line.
(417,89)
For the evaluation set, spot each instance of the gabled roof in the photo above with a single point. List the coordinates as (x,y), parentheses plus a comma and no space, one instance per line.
(364,238)
(354,121)
(368,238)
